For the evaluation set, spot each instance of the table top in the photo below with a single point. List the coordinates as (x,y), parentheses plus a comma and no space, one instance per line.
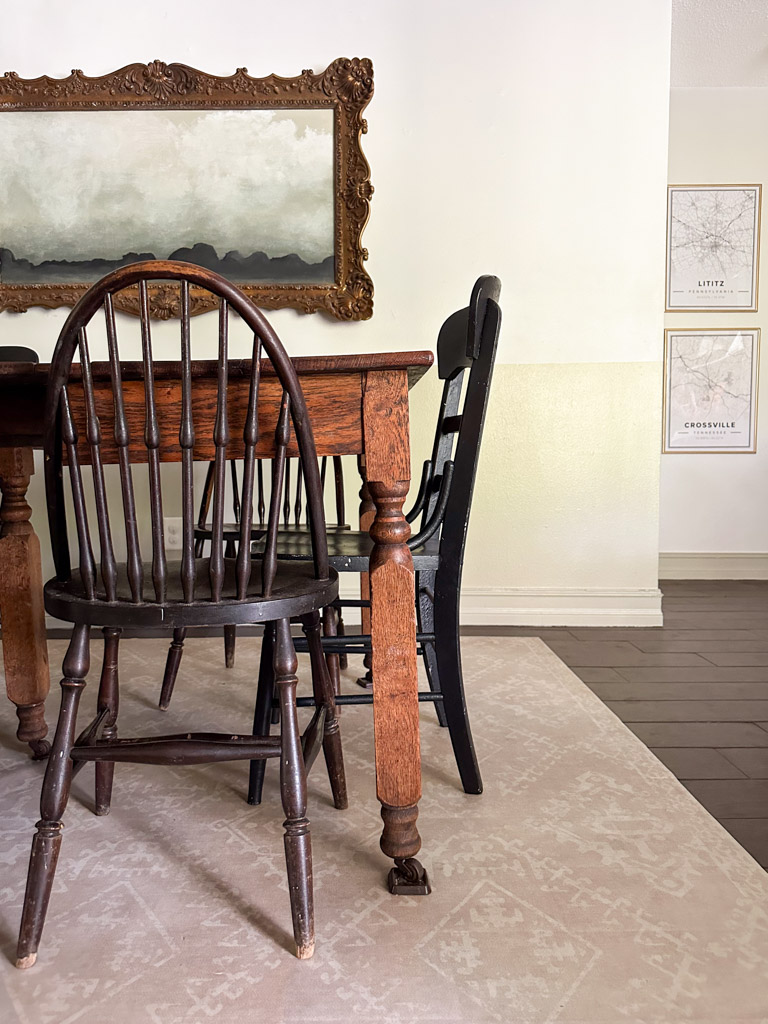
(417,363)
(23,385)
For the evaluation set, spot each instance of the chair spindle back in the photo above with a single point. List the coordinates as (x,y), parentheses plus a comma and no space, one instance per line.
(77,405)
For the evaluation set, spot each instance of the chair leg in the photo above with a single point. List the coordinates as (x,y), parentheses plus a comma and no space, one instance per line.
(293,788)
(343,659)
(333,661)
(448,648)
(230,636)
(53,799)
(172,663)
(426,616)
(322,688)
(262,716)
(108,700)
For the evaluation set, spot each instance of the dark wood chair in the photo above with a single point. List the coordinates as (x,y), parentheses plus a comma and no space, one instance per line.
(295,518)
(467,342)
(18,354)
(125,419)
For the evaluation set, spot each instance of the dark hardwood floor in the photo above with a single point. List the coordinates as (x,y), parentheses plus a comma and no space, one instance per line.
(695,691)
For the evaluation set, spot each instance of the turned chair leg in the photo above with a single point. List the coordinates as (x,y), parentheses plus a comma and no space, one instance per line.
(53,799)
(108,701)
(262,716)
(293,790)
(323,690)
(172,663)
(230,637)
(333,661)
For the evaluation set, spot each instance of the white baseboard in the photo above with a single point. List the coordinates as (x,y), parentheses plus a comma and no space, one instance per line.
(713,565)
(546,606)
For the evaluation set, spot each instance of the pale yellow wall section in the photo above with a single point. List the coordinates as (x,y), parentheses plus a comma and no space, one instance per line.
(565,518)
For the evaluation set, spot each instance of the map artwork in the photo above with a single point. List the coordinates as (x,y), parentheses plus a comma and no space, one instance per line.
(712,239)
(710,391)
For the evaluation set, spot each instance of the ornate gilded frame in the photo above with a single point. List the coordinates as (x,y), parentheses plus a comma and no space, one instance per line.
(346,86)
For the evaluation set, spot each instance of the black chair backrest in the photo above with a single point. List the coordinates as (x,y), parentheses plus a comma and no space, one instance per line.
(18,354)
(467,341)
(75,406)
(295,507)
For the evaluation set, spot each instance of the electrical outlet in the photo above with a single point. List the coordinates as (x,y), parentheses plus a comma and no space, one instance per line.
(173,531)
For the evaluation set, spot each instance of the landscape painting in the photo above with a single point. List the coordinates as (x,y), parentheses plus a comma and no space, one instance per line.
(260,180)
(247,193)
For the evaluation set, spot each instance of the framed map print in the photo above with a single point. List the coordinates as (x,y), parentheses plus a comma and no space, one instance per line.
(710,390)
(713,238)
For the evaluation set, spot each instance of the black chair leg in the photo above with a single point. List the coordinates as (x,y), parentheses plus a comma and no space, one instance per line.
(53,800)
(343,659)
(230,636)
(426,617)
(172,663)
(448,650)
(323,690)
(293,790)
(108,700)
(262,716)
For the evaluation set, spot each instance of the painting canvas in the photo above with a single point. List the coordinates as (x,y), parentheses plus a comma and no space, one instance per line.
(247,193)
(260,180)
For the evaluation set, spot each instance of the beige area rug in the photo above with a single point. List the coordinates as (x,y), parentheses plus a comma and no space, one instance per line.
(585,885)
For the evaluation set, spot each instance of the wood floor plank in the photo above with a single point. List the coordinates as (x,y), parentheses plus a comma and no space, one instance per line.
(698,645)
(688,710)
(662,634)
(619,690)
(753,761)
(742,657)
(699,734)
(596,675)
(707,674)
(616,654)
(731,798)
(752,834)
(697,763)
(715,620)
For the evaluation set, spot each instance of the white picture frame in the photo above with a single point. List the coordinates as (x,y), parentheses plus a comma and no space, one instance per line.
(713,248)
(711,390)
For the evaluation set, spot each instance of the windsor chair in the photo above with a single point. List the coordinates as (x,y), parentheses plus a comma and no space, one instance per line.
(293,504)
(466,347)
(210,591)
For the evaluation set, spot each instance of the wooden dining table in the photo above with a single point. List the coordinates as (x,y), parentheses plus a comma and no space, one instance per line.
(358,405)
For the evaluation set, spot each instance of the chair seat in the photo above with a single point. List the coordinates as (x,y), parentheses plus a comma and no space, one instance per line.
(349,550)
(295,592)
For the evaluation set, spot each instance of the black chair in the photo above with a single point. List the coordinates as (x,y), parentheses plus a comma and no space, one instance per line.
(467,341)
(294,505)
(18,354)
(213,591)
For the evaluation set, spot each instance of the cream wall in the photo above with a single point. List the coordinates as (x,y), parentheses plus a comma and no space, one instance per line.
(713,521)
(525,138)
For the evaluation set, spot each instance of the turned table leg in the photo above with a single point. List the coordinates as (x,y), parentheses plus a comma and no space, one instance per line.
(22,616)
(393,628)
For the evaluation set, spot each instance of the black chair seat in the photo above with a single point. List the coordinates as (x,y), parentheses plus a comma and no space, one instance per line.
(295,591)
(350,550)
